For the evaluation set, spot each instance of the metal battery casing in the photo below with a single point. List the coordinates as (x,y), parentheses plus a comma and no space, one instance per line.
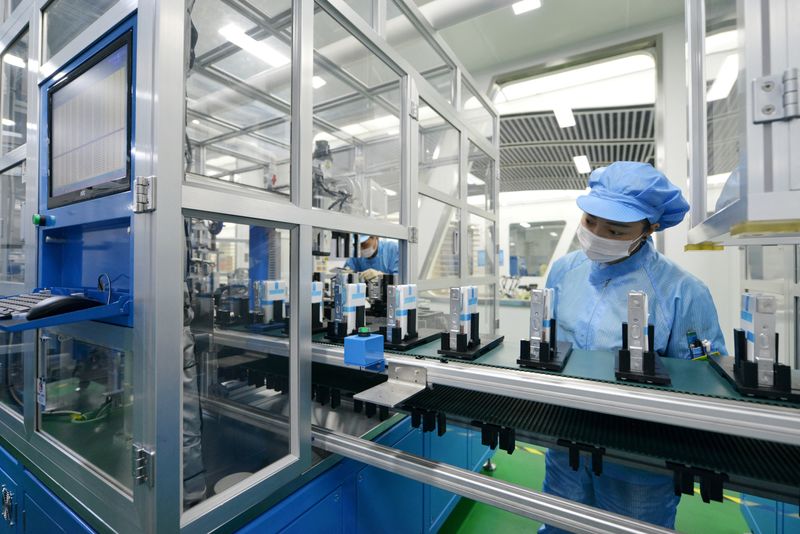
(758,318)
(638,319)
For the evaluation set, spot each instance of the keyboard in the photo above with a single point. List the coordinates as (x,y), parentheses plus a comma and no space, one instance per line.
(20,304)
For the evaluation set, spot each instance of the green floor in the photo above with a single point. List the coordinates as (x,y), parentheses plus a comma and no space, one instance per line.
(526,468)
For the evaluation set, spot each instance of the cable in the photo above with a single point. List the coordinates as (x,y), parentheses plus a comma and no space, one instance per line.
(101,288)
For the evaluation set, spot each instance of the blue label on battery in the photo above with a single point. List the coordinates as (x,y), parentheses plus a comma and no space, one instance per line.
(750,337)
(747,316)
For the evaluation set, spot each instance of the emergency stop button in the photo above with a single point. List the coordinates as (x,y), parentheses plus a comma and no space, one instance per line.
(42,220)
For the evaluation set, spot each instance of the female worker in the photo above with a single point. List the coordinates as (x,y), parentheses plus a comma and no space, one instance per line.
(628,202)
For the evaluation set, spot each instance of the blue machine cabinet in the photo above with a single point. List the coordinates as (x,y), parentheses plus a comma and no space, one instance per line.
(34,508)
(354,498)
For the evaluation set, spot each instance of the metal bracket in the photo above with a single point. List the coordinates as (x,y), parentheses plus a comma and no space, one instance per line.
(9,507)
(413,234)
(413,110)
(144,189)
(775,97)
(143,465)
(404,382)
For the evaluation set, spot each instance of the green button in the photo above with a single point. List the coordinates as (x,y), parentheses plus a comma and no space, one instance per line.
(37,219)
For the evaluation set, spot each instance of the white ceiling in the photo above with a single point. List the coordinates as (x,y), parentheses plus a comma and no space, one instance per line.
(487,45)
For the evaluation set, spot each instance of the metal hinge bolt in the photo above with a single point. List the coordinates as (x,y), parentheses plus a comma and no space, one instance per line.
(8,505)
(144,191)
(143,465)
(775,97)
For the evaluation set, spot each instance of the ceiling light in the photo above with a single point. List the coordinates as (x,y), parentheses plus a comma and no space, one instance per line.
(16,61)
(582,164)
(523,6)
(259,49)
(317,82)
(525,224)
(725,78)
(553,234)
(354,129)
(8,122)
(474,180)
(221,161)
(564,116)
(195,121)
(436,152)
(390,192)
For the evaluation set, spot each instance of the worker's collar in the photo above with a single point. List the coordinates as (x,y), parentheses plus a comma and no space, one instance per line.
(603,272)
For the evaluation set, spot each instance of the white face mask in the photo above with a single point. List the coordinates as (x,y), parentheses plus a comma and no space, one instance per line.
(368,252)
(604,250)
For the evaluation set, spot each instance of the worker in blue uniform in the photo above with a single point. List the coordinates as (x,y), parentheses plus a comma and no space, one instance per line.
(627,202)
(378,256)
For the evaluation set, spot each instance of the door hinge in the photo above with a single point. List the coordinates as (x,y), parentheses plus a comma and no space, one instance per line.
(9,507)
(775,97)
(143,465)
(413,236)
(144,190)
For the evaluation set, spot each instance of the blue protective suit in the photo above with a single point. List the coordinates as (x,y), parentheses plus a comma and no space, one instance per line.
(385,260)
(590,306)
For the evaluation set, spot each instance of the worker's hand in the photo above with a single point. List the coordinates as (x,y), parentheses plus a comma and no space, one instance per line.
(370,274)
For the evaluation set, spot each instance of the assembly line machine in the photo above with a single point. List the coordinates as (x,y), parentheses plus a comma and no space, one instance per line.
(200,171)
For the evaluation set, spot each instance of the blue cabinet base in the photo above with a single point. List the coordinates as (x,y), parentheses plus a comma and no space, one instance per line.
(352,497)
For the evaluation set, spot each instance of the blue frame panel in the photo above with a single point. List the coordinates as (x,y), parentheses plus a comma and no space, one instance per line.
(83,240)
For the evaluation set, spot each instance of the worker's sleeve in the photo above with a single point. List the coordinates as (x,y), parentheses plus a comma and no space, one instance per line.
(695,310)
(352,264)
(394,265)
(555,276)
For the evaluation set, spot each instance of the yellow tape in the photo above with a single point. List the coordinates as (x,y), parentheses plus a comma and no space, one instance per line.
(786,226)
(705,245)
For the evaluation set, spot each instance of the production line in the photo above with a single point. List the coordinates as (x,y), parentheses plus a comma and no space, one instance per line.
(252,280)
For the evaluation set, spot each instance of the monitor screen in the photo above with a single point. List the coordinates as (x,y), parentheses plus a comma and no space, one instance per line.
(89,133)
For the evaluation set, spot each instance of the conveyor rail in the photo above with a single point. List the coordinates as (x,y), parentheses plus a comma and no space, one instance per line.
(749,458)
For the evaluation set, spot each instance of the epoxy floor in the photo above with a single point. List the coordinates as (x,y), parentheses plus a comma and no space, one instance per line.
(526,468)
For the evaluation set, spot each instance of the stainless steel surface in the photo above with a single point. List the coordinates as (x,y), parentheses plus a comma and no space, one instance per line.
(774,423)
(404,381)
(555,511)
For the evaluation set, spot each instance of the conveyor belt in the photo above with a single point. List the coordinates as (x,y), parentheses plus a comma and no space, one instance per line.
(688,377)
(745,457)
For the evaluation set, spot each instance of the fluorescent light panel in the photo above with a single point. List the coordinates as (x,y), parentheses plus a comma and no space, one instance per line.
(317,82)
(724,80)
(259,49)
(564,116)
(525,224)
(523,6)
(13,60)
(582,164)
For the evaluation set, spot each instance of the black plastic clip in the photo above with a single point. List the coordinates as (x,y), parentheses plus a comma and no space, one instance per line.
(508,439)
(336,398)
(575,450)
(711,482)
(441,424)
(490,435)
(358,406)
(323,394)
(371,409)
(383,413)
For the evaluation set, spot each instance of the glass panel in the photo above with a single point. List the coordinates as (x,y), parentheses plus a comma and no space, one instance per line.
(357,151)
(480,179)
(363,8)
(481,243)
(767,262)
(14,99)
(439,150)
(487,295)
(438,239)
(433,307)
(724,107)
(238,94)
(236,401)
(88,394)
(63,20)
(474,112)
(13,5)
(12,244)
(404,37)
(12,371)
(532,246)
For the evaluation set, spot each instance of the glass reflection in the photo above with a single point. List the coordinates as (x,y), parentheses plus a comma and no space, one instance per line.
(236,402)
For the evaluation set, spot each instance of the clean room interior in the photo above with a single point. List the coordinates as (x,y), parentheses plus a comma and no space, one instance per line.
(399,266)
